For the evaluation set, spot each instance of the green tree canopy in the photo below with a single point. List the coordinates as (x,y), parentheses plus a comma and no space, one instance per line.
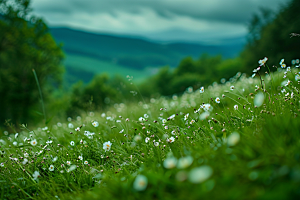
(270,36)
(25,44)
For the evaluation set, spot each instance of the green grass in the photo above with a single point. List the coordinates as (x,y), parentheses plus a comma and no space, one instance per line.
(90,66)
(249,153)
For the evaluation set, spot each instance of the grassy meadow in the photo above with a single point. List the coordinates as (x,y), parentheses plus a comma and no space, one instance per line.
(86,68)
(237,140)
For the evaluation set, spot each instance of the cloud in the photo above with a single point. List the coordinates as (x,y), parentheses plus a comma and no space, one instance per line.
(138,16)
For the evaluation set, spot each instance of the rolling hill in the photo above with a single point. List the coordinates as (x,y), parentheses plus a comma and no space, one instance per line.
(88,54)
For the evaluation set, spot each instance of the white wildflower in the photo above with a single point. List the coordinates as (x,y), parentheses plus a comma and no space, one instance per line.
(140,183)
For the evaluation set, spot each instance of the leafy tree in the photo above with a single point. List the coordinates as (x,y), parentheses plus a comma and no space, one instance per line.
(272,38)
(25,44)
(99,93)
(187,65)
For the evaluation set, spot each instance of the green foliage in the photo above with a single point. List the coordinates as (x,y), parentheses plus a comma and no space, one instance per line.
(266,30)
(190,73)
(245,152)
(101,92)
(25,44)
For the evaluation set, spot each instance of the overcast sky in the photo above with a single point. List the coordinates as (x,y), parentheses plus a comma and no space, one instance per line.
(207,18)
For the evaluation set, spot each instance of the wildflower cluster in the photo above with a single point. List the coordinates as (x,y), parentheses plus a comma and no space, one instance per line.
(201,141)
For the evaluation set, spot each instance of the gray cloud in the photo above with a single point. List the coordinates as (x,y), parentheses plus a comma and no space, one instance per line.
(130,15)
(238,11)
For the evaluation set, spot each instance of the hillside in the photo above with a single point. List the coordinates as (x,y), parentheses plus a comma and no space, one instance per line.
(237,140)
(90,53)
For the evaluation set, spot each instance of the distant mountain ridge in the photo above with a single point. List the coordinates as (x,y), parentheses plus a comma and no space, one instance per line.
(103,51)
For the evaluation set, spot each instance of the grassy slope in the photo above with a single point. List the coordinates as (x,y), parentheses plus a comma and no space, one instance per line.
(262,163)
(75,63)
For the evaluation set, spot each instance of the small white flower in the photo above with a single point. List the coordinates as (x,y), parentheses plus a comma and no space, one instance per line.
(164,121)
(80,157)
(262,61)
(36,175)
(68,162)
(259,99)
(2,142)
(172,116)
(25,161)
(186,116)
(283,65)
(170,162)
(236,107)
(49,142)
(77,129)
(2,164)
(140,183)
(86,162)
(200,174)
(217,100)
(15,143)
(184,162)
(142,119)
(156,144)
(95,124)
(26,155)
(281,61)
(107,145)
(146,116)
(72,143)
(73,167)
(232,87)
(33,142)
(54,159)
(233,139)
(137,138)
(147,139)
(70,125)
(288,82)
(204,115)
(171,139)
(201,90)
(207,107)
(121,131)
(51,168)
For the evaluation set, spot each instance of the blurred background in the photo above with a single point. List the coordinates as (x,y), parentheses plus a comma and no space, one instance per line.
(88,55)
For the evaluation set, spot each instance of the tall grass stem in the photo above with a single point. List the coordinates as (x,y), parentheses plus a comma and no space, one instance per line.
(41,95)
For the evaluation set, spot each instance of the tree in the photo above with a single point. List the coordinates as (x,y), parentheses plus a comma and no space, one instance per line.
(25,44)
(272,39)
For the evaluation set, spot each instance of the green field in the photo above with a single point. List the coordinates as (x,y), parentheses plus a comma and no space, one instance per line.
(85,68)
(238,140)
